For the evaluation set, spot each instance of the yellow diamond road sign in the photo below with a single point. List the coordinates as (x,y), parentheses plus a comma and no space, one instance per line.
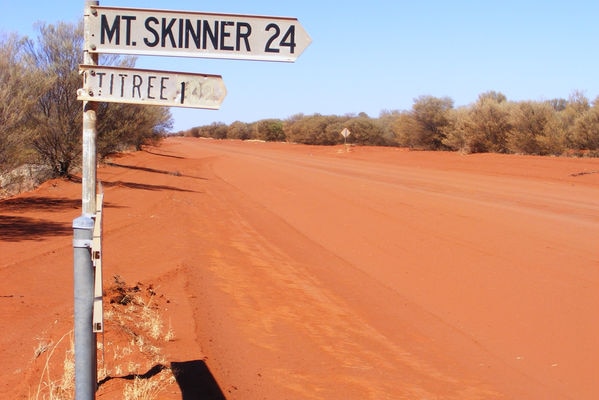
(140,86)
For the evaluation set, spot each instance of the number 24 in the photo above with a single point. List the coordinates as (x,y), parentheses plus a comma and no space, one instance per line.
(288,39)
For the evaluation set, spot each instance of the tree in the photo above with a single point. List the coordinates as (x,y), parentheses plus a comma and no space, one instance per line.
(16,100)
(57,116)
(530,123)
(489,123)
(430,116)
(55,59)
(586,129)
(365,131)
(402,126)
(216,130)
(123,126)
(315,129)
(270,130)
(239,130)
(578,120)
(457,131)
(387,120)
(558,104)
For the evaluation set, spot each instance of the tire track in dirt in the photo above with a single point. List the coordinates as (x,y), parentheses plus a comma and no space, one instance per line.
(283,310)
(458,229)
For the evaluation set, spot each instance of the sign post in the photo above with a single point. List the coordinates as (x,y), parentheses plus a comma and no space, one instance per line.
(345,133)
(83,282)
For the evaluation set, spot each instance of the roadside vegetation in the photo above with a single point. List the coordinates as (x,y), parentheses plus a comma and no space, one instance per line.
(491,124)
(40,116)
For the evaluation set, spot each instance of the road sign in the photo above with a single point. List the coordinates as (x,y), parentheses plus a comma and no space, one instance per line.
(345,133)
(140,86)
(194,34)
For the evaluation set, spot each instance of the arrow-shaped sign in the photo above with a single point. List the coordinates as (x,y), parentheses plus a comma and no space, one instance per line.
(193,34)
(141,86)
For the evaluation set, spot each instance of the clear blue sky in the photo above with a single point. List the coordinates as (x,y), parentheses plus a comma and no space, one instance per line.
(380,55)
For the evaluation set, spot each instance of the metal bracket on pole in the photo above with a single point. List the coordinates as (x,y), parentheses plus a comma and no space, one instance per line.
(98,313)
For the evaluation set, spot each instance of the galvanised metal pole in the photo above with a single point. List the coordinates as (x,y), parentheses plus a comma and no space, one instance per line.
(83,281)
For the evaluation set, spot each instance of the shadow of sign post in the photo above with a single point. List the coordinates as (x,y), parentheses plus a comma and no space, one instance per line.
(196,381)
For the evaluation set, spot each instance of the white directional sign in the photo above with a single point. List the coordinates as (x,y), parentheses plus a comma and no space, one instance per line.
(139,86)
(193,34)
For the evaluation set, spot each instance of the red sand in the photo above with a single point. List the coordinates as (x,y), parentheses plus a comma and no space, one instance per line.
(299,272)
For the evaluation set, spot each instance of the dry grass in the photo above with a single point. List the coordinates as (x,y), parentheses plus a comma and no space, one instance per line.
(147,389)
(48,387)
(135,333)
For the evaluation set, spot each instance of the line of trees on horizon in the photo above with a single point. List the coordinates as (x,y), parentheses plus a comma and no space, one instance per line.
(41,118)
(491,124)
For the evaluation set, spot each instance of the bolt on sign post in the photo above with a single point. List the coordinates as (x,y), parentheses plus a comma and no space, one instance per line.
(159,33)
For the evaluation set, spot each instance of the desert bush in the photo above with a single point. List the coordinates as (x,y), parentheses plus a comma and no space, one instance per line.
(585,133)
(430,115)
(315,129)
(386,121)
(530,123)
(239,130)
(270,130)
(489,123)
(456,133)
(364,131)
(326,130)
(216,130)
(402,126)
(124,126)
(425,125)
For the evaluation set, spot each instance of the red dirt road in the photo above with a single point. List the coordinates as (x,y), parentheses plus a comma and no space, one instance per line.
(301,272)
